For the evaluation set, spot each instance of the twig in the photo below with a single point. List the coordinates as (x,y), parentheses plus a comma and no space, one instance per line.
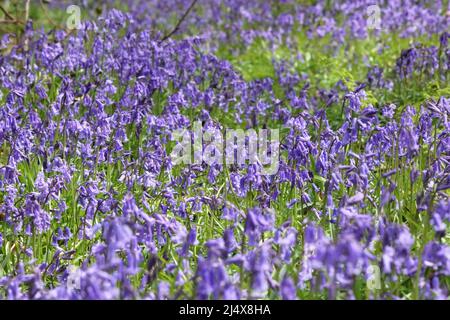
(11,22)
(27,16)
(27,10)
(177,26)
(7,14)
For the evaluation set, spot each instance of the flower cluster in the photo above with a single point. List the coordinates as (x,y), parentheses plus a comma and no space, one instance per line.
(93,207)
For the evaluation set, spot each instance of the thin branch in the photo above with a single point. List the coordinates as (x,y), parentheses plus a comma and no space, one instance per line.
(27,10)
(7,14)
(27,16)
(11,22)
(177,26)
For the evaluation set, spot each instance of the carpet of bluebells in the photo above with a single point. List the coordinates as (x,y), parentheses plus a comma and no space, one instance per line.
(92,206)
